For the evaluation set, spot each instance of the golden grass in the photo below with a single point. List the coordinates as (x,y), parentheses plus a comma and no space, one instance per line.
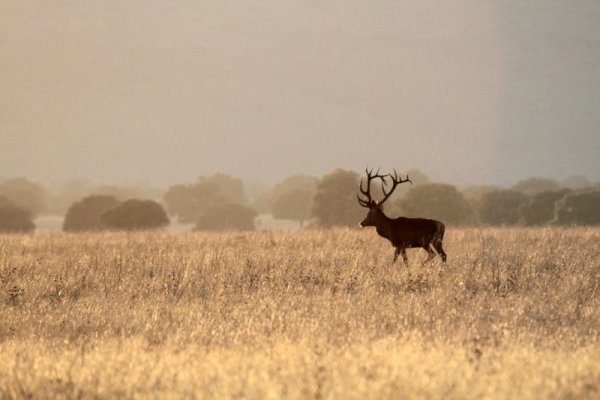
(314,314)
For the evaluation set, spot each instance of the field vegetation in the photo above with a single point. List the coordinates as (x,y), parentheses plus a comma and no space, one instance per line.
(314,314)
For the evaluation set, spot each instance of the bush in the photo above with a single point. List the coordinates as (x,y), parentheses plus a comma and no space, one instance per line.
(580,208)
(135,214)
(227,216)
(438,201)
(84,215)
(501,207)
(14,219)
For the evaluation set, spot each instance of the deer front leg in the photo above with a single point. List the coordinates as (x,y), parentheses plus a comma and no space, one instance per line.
(398,251)
(404,256)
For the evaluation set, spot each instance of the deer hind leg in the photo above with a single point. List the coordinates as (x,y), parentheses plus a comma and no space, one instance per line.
(430,252)
(438,247)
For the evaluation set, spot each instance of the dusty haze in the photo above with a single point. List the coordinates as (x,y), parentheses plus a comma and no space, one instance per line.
(161,92)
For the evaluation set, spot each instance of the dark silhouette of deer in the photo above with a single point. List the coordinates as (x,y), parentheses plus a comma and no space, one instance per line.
(402,232)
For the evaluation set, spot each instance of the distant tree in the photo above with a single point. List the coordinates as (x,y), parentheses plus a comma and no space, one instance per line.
(266,202)
(24,194)
(227,216)
(533,186)
(187,202)
(232,189)
(14,219)
(84,215)
(125,192)
(294,205)
(438,201)
(393,206)
(135,214)
(579,208)
(475,193)
(501,207)
(335,203)
(255,192)
(60,199)
(539,209)
(577,182)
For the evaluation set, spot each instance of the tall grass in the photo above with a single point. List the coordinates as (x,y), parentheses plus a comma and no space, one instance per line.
(311,314)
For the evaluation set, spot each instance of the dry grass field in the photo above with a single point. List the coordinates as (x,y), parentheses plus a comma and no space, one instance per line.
(309,314)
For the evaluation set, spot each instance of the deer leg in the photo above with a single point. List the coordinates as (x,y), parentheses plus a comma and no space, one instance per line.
(440,249)
(404,256)
(396,252)
(430,252)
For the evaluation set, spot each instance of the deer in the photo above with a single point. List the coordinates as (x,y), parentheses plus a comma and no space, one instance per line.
(402,232)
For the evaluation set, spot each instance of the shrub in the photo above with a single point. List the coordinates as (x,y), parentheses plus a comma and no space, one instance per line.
(135,214)
(227,216)
(84,215)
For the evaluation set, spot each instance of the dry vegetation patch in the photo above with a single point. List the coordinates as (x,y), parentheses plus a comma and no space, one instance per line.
(312,314)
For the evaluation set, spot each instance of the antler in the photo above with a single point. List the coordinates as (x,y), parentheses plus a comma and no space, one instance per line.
(395,182)
(369,202)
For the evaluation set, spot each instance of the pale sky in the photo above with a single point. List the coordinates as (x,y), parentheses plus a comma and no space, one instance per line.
(469,92)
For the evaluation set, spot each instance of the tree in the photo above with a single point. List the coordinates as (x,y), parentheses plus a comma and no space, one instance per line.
(232,189)
(227,216)
(125,192)
(335,203)
(188,202)
(294,204)
(14,219)
(533,186)
(24,194)
(501,207)
(135,214)
(577,182)
(60,199)
(265,202)
(475,193)
(438,201)
(539,209)
(578,208)
(84,215)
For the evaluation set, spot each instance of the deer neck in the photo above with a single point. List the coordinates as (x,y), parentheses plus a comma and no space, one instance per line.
(383,225)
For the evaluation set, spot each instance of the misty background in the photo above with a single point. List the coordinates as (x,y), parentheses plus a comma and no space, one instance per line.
(162,92)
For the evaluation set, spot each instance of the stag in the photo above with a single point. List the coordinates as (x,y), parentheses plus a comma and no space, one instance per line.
(402,232)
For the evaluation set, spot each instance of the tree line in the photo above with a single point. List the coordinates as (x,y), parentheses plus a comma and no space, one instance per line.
(221,201)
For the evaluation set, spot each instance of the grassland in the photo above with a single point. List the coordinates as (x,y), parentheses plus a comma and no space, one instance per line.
(311,314)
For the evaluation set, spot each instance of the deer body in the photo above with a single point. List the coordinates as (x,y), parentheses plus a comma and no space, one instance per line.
(402,232)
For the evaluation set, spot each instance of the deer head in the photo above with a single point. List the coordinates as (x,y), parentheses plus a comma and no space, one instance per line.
(375,207)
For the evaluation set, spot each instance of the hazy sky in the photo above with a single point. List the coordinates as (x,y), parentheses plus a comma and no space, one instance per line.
(164,91)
